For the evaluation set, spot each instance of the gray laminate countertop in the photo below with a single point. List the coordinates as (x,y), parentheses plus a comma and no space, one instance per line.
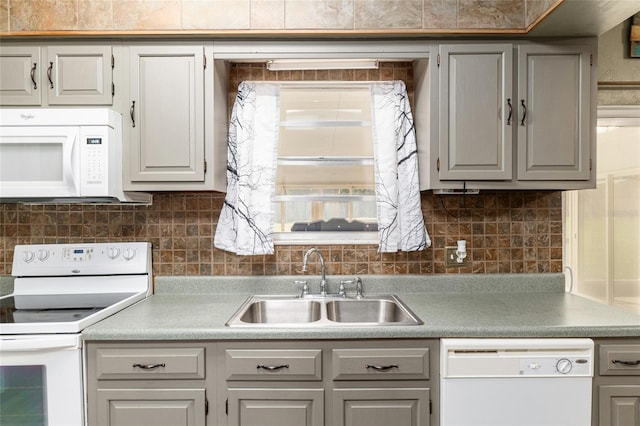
(487,305)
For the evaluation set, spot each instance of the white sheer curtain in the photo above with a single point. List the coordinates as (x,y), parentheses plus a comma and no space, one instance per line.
(400,220)
(246,222)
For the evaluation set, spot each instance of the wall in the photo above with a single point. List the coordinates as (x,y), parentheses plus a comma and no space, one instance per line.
(507,231)
(616,65)
(260,16)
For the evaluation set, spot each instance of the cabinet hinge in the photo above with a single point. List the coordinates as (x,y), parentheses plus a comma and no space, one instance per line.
(113,89)
(590,164)
(113,62)
(591,59)
(226,407)
(438,164)
(430,407)
(206,407)
(205,166)
(204,61)
(438,60)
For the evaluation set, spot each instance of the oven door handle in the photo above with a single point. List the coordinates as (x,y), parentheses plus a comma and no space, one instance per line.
(40,343)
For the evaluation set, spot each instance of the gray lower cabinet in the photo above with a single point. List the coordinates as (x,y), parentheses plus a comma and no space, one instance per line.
(617,383)
(381,407)
(149,384)
(152,407)
(336,383)
(275,407)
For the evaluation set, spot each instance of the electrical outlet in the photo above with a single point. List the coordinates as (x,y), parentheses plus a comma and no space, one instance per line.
(451,259)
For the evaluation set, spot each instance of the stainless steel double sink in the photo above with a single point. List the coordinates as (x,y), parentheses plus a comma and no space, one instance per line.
(310,311)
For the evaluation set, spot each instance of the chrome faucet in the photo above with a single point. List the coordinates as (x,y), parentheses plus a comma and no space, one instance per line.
(323,281)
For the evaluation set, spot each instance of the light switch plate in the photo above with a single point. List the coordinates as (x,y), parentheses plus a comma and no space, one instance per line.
(450,260)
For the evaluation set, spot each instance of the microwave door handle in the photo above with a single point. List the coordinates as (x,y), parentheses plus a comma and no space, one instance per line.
(71,163)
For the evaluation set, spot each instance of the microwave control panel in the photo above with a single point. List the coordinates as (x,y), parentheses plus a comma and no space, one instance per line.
(94,154)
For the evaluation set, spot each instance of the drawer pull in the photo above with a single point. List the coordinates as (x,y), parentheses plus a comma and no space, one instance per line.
(382,367)
(272,367)
(149,366)
(628,363)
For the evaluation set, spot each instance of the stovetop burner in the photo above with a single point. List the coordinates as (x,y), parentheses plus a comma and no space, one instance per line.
(55,307)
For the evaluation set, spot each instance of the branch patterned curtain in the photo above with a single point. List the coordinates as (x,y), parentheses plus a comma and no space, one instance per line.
(246,222)
(400,220)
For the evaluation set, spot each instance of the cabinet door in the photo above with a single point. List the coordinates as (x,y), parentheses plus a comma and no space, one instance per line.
(381,407)
(166,114)
(276,407)
(151,407)
(79,75)
(553,117)
(476,112)
(619,405)
(20,68)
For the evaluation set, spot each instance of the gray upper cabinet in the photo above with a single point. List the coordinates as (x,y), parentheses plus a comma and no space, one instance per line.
(170,117)
(20,84)
(554,112)
(60,74)
(517,115)
(79,75)
(475,140)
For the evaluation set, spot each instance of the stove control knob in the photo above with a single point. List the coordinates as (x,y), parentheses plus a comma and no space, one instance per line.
(129,254)
(28,256)
(43,255)
(113,252)
(564,366)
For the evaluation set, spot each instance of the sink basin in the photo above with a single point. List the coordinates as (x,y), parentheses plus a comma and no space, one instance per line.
(294,311)
(281,311)
(378,311)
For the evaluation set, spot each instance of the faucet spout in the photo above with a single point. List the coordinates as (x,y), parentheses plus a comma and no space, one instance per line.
(323,280)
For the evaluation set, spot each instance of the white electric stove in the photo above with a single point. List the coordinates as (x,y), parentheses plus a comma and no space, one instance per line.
(60,289)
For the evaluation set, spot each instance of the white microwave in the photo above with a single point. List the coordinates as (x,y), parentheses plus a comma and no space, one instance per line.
(62,155)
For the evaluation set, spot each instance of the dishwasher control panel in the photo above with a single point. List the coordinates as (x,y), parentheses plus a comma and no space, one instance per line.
(517,358)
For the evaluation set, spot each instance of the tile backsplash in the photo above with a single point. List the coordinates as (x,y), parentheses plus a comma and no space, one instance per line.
(506,232)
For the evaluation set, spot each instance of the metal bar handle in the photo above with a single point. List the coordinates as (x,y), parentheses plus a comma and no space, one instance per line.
(272,367)
(382,367)
(33,75)
(49,72)
(628,363)
(132,113)
(524,114)
(149,366)
(510,112)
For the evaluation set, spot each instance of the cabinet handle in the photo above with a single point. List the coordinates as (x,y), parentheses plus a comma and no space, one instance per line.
(628,363)
(149,366)
(510,112)
(382,367)
(131,113)
(272,367)
(524,113)
(33,75)
(49,71)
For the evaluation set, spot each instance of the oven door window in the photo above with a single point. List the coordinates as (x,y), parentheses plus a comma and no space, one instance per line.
(23,395)
(41,380)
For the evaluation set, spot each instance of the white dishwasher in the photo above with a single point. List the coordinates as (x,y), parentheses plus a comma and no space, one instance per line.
(516,382)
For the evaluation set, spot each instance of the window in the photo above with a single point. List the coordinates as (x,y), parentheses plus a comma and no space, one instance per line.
(325,176)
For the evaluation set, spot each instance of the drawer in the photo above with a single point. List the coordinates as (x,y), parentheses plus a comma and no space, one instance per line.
(150,363)
(381,364)
(273,364)
(619,360)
